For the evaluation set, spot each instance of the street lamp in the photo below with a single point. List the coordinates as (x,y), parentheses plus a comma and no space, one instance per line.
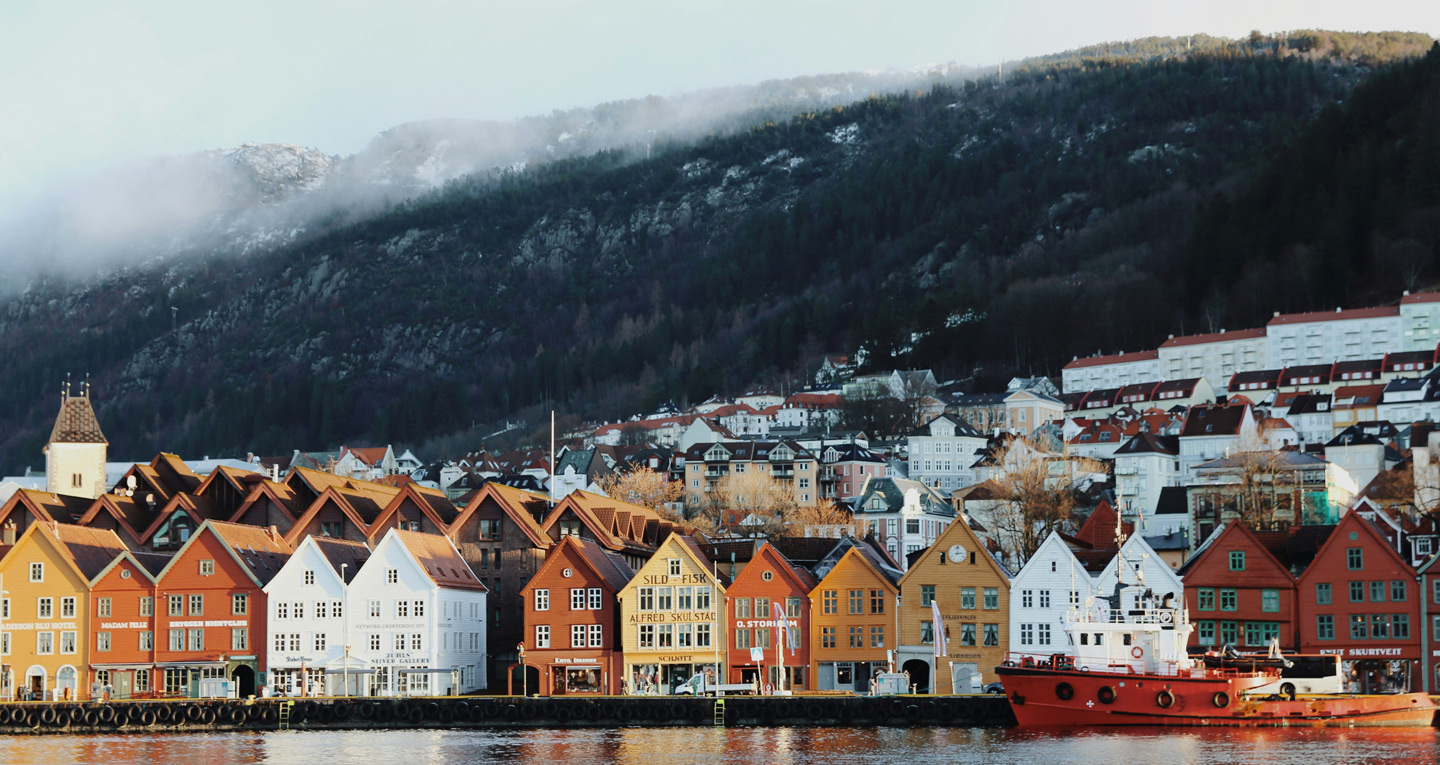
(345,626)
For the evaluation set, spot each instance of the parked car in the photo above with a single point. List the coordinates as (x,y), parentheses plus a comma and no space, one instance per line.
(995,687)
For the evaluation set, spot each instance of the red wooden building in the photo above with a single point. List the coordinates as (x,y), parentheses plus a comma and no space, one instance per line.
(210,609)
(1358,600)
(572,620)
(1239,594)
(769,579)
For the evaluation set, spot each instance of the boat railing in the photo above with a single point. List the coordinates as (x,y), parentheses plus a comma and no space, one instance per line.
(1039,660)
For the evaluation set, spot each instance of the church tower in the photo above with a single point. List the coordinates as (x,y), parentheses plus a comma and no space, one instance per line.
(75,456)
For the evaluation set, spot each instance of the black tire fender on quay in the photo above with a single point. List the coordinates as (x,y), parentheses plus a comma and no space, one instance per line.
(912,713)
(49,716)
(342,710)
(1064,691)
(384,714)
(1165,699)
(416,715)
(146,718)
(563,714)
(366,710)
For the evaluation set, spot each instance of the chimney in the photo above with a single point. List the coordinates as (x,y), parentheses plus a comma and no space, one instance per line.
(274,534)
(10,533)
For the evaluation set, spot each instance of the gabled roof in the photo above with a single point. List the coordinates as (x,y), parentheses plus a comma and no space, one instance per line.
(1356,522)
(867,556)
(148,564)
(90,551)
(797,576)
(1098,531)
(1262,379)
(136,517)
(342,552)
(616,525)
(432,502)
(437,555)
(1358,396)
(260,551)
(1217,539)
(76,423)
(513,503)
(1213,421)
(367,456)
(46,506)
(1150,443)
(282,495)
(609,567)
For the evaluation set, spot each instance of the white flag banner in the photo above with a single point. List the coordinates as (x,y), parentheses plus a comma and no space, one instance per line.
(937,629)
(785,637)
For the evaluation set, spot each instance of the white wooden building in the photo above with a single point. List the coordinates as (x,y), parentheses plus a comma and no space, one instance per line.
(308,639)
(1140,559)
(417,618)
(1051,582)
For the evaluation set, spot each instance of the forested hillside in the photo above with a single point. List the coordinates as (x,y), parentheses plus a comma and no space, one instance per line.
(979,227)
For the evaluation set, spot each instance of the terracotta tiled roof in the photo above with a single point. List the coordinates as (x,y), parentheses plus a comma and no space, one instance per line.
(260,550)
(1214,337)
(1114,358)
(440,559)
(611,567)
(76,423)
(1421,297)
(371,456)
(1353,313)
(48,507)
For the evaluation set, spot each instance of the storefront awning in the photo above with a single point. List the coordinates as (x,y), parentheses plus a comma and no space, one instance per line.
(121,667)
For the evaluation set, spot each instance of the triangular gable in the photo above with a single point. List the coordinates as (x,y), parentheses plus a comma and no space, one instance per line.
(1136,548)
(45,506)
(122,557)
(553,559)
(49,536)
(410,493)
(181,502)
(1053,547)
(266,490)
(109,504)
(331,495)
(215,528)
(1218,540)
(510,501)
(853,557)
(804,583)
(960,533)
(1354,522)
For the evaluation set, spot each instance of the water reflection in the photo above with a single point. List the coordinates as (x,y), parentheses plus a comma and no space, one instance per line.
(709,746)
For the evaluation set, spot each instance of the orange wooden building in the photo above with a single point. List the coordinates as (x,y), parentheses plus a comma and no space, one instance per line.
(122,635)
(854,620)
(210,608)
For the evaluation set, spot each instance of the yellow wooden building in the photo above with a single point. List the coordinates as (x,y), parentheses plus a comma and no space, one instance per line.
(853,618)
(973,592)
(669,620)
(45,619)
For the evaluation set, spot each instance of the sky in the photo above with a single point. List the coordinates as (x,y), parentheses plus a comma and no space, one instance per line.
(86,84)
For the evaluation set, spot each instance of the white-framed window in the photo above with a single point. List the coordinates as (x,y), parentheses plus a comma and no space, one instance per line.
(67,642)
(577,636)
(542,636)
(320,641)
(374,641)
(102,607)
(577,599)
(67,608)
(147,606)
(674,566)
(374,609)
(392,576)
(594,594)
(239,638)
(282,610)
(197,639)
(416,641)
(177,639)
(102,641)
(147,640)
(402,609)
(597,635)
(399,641)
(542,600)
(279,641)
(207,568)
(309,577)
(239,604)
(45,608)
(37,572)
(197,605)
(45,643)
(647,636)
(419,608)
(4,644)
(335,610)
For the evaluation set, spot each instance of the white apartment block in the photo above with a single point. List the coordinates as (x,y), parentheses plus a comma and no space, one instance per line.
(1324,337)
(942,452)
(1112,371)
(1215,356)
(1420,318)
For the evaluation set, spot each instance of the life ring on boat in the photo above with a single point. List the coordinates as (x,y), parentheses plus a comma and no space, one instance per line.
(1221,699)
(1106,694)
(1165,699)
(1288,691)
(1137,651)
(1064,691)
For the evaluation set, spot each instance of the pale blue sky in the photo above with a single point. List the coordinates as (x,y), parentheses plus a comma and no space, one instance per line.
(83,83)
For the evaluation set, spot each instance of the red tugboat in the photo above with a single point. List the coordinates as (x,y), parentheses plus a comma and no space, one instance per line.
(1129,666)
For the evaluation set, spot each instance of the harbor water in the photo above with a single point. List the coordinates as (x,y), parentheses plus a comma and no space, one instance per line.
(711,746)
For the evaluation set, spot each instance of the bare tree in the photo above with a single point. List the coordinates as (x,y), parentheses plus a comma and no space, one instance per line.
(763,498)
(1036,492)
(645,487)
(820,517)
